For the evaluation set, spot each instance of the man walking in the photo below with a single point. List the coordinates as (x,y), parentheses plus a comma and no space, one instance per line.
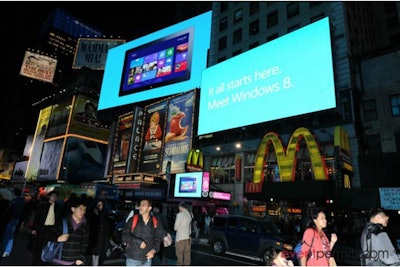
(375,242)
(182,240)
(143,238)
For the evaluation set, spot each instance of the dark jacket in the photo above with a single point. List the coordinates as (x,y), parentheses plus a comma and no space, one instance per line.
(147,233)
(76,246)
(41,214)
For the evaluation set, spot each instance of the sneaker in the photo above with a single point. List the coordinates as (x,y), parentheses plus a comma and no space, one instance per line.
(5,254)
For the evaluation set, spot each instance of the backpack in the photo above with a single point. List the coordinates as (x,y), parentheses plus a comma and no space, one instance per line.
(367,255)
(167,241)
(136,218)
(194,228)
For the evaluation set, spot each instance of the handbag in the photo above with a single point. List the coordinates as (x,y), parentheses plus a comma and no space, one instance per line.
(53,250)
(167,240)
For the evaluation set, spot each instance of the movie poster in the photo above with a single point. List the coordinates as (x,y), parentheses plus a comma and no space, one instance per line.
(59,118)
(121,143)
(84,160)
(153,137)
(36,150)
(84,119)
(50,160)
(179,128)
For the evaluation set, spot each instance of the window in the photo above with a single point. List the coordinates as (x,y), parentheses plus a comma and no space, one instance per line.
(292,9)
(293,28)
(221,59)
(223,6)
(237,36)
(314,4)
(222,43)
(272,19)
(395,105)
(255,44)
(317,17)
(370,112)
(254,28)
(254,7)
(272,37)
(237,52)
(223,24)
(238,16)
(373,143)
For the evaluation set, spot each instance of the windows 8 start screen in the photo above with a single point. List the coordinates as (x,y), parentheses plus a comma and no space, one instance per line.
(156,64)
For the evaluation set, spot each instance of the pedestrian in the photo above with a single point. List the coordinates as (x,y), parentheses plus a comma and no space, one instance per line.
(207,223)
(183,241)
(16,209)
(316,247)
(276,257)
(144,241)
(375,242)
(75,242)
(162,223)
(46,216)
(133,211)
(98,233)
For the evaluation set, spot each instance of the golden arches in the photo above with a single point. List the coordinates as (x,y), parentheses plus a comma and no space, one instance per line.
(286,159)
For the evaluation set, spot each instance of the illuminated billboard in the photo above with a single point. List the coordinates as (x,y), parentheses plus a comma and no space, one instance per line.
(289,76)
(38,67)
(190,184)
(163,63)
(92,52)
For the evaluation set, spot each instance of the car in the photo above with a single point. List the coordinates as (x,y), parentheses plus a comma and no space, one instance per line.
(245,236)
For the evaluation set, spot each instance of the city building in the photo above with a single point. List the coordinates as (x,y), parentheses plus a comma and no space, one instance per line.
(357,28)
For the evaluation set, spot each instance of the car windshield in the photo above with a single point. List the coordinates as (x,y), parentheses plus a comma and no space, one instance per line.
(270,228)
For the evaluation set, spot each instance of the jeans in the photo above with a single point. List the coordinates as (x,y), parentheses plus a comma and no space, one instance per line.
(8,236)
(132,262)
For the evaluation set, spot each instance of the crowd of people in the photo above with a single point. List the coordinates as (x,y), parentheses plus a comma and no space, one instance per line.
(89,229)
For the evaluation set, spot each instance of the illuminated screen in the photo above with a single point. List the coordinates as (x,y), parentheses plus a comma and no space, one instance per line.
(163,63)
(188,184)
(289,76)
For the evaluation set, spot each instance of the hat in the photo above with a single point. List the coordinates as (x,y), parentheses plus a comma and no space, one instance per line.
(182,204)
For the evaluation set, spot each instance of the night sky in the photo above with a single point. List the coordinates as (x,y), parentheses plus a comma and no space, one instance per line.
(21,22)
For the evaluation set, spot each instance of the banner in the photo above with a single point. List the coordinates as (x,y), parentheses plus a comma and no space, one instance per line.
(50,160)
(59,118)
(84,119)
(38,67)
(137,128)
(178,136)
(153,137)
(36,151)
(92,53)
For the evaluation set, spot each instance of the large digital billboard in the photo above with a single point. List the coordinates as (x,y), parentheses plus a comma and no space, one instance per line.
(166,62)
(289,76)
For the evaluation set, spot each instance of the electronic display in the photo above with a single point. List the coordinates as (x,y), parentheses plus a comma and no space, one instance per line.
(165,61)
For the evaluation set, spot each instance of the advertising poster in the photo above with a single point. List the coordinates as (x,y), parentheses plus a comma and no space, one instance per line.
(153,137)
(38,67)
(92,53)
(137,128)
(121,143)
(19,172)
(83,160)
(36,151)
(50,159)
(179,127)
(59,118)
(84,119)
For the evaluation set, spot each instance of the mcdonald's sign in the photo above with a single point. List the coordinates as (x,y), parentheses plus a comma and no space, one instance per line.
(194,161)
(286,158)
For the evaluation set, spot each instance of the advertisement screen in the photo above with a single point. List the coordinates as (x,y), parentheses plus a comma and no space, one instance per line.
(289,76)
(188,184)
(163,63)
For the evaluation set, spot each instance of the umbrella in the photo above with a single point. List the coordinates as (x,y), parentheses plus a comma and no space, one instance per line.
(6,193)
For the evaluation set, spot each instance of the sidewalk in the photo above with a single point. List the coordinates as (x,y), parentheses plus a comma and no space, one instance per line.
(20,255)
